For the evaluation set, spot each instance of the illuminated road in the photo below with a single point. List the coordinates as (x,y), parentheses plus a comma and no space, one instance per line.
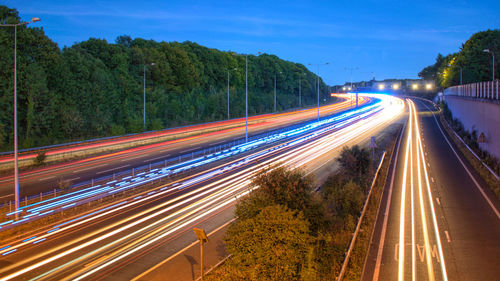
(47,178)
(438,209)
(103,244)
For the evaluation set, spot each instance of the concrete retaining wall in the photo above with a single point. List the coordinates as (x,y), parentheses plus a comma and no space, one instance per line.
(480,115)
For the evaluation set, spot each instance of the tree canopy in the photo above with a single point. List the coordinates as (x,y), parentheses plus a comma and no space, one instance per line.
(270,246)
(475,63)
(95,88)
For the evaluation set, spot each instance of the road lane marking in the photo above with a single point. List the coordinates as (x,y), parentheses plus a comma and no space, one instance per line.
(90,168)
(47,178)
(432,179)
(117,168)
(447,236)
(132,158)
(467,170)
(437,199)
(153,159)
(73,179)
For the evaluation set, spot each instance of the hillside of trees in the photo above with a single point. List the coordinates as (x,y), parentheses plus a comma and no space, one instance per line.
(95,88)
(475,64)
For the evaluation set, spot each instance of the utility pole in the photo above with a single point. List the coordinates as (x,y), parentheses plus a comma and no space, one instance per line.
(228,90)
(326,63)
(144,95)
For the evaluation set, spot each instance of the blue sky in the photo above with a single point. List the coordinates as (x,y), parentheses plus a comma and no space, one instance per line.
(391,39)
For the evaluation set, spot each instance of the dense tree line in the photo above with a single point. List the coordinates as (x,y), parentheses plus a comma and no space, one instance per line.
(475,64)
(95,88)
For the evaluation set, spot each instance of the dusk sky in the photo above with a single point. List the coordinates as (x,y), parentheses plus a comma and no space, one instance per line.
(391,39)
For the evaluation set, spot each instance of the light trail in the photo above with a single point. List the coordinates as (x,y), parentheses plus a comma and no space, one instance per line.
(403,200)
(211,196)
(293,115)
(431,204)
(414,146)
(50,206)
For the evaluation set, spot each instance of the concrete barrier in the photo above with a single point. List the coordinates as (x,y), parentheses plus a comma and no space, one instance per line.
(479,110)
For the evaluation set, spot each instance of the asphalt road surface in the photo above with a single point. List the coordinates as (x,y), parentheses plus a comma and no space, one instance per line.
(438,208)
(54,176)
(128,237)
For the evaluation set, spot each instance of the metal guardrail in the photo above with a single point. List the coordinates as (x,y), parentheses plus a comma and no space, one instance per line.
(360,220)
(482,90)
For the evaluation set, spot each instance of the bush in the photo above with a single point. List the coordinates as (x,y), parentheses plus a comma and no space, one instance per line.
(40,158)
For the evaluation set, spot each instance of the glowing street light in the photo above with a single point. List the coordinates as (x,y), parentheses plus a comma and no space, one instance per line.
(414,86)
(381,86)
(395,86)
(428,86)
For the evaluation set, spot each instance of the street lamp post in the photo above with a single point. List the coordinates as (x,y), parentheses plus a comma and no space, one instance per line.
(228,90)
(275,90)
(144,96)
(16,160)
(246,94)
(492,61)
(326,63)
(246,98)
(460,75)
(351,68)
(300,90)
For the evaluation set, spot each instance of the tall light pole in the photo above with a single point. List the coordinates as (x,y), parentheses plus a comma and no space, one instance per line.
(246,95)
(16,160)
(326,63)
(460,74)
(144,95)
(246,98)
(300,90)
(351,68)
(492,61)
(275,90)
(228,90)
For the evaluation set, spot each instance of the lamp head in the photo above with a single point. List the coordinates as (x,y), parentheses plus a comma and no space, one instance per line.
(35,19)
(486,50)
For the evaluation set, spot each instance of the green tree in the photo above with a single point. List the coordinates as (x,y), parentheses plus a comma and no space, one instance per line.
(475,64)
(271,245)
(355,163)
(291,188)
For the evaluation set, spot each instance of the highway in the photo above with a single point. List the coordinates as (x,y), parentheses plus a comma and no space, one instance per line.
(220,134)
(101,245)
(438,220)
